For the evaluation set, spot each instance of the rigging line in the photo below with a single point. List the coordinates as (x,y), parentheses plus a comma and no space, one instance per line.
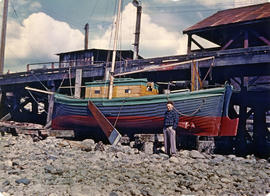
(189,6)
(61,83)
(39,80)
(113,23)
(36,100)
(209,70)
(14,10)
(110,40)
(54,14)
(94,8)
(119,113)
(121,30)
(183,114)
(18,19)
(14,54)
(194,112)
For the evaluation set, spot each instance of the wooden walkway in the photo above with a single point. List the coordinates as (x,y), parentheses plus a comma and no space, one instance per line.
(226,64)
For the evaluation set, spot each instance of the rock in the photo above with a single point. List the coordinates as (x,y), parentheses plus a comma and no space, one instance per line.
(225,180)
(5,194)
(148,147)
(231,156)
(120,155)
(135,192)
(182,161)
(113,194)
(24,181)
(132,144)
(82,190)
(38,189)
(174,160)
(5,183)
(50,169)
(53,194)
(8,163)
(99,147)
(164,156)
(88,145)
(196,155)
(57,170)
(184,153)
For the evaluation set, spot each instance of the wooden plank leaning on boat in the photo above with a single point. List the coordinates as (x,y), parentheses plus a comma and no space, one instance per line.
(111,133)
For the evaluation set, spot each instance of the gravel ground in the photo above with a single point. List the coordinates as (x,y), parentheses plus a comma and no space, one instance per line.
(59,167)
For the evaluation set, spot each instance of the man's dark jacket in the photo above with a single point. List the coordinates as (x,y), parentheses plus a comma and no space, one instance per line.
(171,118)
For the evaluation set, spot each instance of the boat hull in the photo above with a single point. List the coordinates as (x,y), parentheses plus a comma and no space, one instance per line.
(207,110)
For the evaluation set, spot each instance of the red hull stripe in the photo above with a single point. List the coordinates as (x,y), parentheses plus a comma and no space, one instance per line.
(204,126)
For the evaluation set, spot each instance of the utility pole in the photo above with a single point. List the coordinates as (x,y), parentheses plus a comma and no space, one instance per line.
(137,29)
(86,28)
(3,36)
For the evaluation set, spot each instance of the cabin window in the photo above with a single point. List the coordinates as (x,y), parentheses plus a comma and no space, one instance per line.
(97,91)
(127,91)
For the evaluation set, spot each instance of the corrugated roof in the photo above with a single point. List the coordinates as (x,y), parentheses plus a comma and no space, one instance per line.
(231,16)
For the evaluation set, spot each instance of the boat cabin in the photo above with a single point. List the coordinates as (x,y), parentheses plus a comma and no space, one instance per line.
(122,87)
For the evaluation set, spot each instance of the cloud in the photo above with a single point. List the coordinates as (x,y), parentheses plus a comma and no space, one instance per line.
(41,37)
(208,3)
(35,6)
(155,40)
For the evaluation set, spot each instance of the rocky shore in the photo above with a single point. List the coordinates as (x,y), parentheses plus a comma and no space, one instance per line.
(83,168)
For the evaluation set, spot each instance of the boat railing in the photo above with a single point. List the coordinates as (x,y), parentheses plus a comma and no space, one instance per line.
(180,91)
(61,64)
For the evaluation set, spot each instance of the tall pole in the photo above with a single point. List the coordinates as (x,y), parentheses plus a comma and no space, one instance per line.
(114,49)
(86,28)
(3,36)
(137,33)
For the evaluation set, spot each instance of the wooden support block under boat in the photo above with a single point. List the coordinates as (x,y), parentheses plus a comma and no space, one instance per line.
(111,133)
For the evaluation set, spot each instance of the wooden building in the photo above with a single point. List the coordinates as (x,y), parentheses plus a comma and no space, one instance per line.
(92,56)
(241,27)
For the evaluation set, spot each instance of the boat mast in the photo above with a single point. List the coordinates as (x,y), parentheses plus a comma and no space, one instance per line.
(3,36)
(114,48)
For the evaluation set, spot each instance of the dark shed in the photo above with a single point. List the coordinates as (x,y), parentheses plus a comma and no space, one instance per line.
(235,28)
(92,56)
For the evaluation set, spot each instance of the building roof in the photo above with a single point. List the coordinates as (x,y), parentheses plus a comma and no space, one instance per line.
(232,16)
(93,50)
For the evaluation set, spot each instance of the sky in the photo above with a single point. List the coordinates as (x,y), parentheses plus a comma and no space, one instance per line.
(37,30)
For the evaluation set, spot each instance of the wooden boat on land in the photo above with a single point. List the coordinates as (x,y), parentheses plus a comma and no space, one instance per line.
(137,107)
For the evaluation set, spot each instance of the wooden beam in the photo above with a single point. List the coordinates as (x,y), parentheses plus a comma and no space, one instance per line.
(39,91)
(158,67)
(260,37)
(189,44)
(230,41)
(246,39)
(109,130)
(50,111)
(195,42)
(78,83)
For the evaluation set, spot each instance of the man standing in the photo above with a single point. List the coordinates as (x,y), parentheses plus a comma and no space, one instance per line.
(171,119)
